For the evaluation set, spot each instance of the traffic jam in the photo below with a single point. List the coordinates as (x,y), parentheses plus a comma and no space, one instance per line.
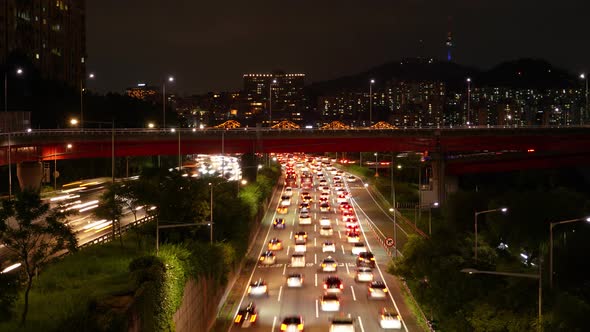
(316,270)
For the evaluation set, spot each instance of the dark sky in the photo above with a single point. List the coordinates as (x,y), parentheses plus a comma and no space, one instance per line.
(208,44)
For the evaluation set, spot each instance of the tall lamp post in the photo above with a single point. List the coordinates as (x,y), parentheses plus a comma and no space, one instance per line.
(90,76)
(170,79)
(75,122)
(429,206)
(551,225)
(518,275)
(477,213)
(582,116)
(8,129)
(274,81)
(376,165)
(211,214)
(371,82)
(468,100)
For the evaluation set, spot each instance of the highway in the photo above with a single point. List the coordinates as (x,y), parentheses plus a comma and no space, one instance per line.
(284,301)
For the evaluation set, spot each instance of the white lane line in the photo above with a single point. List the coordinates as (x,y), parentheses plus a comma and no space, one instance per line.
(314,228)
(347,270)
(317,311)
(343,252)
(361,324)
(339,235)
(274,322)
(285,268)
(288,248)
(291,235)
(255,266)
(315,258)
(316,280)
(315,243)
(353,295)
(336,221)
(280,292)
(293,223)
(315,215)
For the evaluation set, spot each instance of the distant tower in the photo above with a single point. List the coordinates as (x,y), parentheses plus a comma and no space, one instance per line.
(449,42)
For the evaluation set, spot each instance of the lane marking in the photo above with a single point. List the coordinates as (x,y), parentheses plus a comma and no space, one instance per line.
(314,228)
(339,235)
(288,248)
(316,280)
(347,270)
(285,268)
(293,223)
(280,292)
(274,322)
(317,311)
(291,235)
(353,295)
(315,244)
(361,324)
(315,258)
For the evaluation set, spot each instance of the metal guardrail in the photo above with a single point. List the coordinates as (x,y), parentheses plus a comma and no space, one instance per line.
(109,236)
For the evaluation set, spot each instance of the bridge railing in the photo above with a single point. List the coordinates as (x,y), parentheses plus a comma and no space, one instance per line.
(108,237)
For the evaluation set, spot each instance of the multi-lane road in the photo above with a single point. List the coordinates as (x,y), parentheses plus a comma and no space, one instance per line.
(283,301)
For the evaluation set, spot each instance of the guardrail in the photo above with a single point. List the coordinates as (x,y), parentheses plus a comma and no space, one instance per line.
(109,236)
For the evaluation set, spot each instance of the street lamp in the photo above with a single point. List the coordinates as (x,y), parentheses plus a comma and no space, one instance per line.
(429,206)
(551,225)
(242,182)
(376,164)
(151,125)
(90,76)
(468,100)
(75,122)
(211,213)
(274,81)
(170,79)
(584,77)
(8,129)
(477,213)
(371,82)
(517,275)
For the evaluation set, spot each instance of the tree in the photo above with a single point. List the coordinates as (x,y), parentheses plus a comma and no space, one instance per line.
(8,294)
(111,208)
(34,233)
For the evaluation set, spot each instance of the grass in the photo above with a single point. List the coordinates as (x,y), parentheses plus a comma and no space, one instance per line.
(415,309)
(70,285)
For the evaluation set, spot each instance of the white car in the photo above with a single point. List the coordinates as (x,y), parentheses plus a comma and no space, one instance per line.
(285,200)
(325,221)
(358,247)
(295,280)
(288,191)
(337,178)
(300,247)
(292,324)
(258,288)
(364,274)
(342,324)
(329,264)
(268,258)
(325,207)
(351,178)
(328,246)
(298,260)
(341,199)
(330,302)
(304,219)
(377,290)
(325,190)
(326,231)
(389,319)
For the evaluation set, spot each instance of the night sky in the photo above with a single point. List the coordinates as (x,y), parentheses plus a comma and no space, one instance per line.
(208,45)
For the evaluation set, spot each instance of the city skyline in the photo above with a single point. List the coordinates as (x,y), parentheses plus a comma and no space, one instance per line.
(208,47)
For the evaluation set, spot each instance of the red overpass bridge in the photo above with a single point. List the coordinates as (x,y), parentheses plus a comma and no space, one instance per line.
(459,150)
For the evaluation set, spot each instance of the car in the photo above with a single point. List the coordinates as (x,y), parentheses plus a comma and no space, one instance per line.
(258,288)
(352,228)
(364,274)
(285,200)
(300,237)
(346,194)
(282,210)
(329,264)
(342,323)
(275,244)
(358,247)
(304,218)
(246,316)
(323,182)
(300,247)
(307,199)
(351,178)
(295,280)
(341,199)
(389,319)
(344,207)
(298,260)
(325,190)
(304,207)
(323,200)
(330,302)
(324,196)
(333,284)
(365,259)
(353,237)
(292,324)
(352,223)
(377,290)
(326,231)
(305,193)
(288,191)
(279,223)
(325,207)
(346,216)
(325,221)
(268,258)
(328,246)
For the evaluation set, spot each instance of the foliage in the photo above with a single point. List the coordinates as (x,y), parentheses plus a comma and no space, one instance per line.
(110,208)
(9,288)
(34,234)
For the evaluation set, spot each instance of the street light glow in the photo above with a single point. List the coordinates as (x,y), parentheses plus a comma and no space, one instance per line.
(399,166)
(69,146)
(504,209)
(468,79)
(151,125)
(372,81)
(91,75)
(244,182)
(435,204)
(588,219)
(170,79)
(172,130)
(73,122)
(19,71)
(582,76)
(366,185)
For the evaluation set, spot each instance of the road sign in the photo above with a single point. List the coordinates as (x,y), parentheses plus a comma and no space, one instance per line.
(389,242)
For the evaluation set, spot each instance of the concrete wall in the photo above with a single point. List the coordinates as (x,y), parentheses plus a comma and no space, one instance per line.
(199,306)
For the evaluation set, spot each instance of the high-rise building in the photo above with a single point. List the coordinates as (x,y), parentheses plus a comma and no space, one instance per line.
(416,103)
(52,33)
(279,92)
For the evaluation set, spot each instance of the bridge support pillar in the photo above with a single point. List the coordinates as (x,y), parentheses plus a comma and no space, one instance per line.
(29,175)
(440,185)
